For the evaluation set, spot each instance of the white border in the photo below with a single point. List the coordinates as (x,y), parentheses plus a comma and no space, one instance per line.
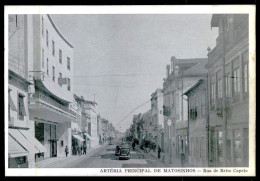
(148,9)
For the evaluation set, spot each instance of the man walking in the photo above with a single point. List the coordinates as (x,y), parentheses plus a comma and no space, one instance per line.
(84,149)
(133,145)
(159,152)
(67,151)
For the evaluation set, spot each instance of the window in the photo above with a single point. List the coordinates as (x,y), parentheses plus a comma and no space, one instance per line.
(53,48)
(42,27)
(68,63)
(219,146)
(219,85)
(21,107)
(42,58)
(68,84)
(60,56)
(60,76)
(47,66)
(245,71)
(47,38)
(53,73)
(212,92)
(236,77)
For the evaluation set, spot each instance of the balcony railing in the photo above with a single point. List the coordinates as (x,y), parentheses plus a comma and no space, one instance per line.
(49,100)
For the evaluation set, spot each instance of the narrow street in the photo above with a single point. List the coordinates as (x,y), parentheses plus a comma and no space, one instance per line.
(104,157)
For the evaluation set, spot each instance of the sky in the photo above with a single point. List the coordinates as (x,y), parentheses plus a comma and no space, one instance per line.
(122,58)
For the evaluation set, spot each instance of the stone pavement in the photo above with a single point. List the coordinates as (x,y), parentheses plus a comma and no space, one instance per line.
(46,162)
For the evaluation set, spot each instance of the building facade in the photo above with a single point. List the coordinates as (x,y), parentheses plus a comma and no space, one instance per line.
(198,124)
(23,147)
(51,72)
(157,118)
(180,76)
(228,87)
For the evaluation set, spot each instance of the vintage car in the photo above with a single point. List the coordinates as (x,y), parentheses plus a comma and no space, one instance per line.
(124,153)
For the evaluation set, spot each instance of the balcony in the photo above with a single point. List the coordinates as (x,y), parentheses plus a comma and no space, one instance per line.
(49,100)
(44,106)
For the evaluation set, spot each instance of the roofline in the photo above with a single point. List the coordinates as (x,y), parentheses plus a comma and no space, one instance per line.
(57,30)
(193,87)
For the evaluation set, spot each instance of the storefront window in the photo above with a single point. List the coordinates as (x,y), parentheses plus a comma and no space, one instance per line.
(237,145)
(220,147)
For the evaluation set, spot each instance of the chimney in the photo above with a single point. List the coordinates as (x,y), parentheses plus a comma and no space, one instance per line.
(172,63)
(167,71)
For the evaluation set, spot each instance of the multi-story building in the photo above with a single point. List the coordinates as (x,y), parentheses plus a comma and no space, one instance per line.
(89,122)
(198,124)
(104,128)
(136,131)
(79,135)
(146,125)
(157,118)
(22,145)
(228,86)
(180,76)
(51,72)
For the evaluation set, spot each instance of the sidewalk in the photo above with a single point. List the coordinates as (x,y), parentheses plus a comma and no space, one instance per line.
(165,163)
(153,156)
(46,162)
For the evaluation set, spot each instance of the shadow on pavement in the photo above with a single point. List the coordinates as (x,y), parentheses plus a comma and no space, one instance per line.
(109,156)
(111,149)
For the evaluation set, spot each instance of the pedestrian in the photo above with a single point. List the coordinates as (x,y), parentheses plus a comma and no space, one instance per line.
(67,151)
(78,150)
(133,145)
(84,149)
(183,159)
(159,152)
(81,149)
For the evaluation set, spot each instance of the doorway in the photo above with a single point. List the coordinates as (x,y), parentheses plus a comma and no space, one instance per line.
(53,149)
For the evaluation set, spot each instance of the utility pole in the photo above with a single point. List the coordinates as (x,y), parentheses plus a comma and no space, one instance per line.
(224,97)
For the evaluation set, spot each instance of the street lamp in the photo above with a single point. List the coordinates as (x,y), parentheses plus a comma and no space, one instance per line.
(169,123)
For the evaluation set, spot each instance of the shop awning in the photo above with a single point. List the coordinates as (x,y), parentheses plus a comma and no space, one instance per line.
(11,103)
(33,140)
(23,141)
(89,137)
(78,137)
(15,149)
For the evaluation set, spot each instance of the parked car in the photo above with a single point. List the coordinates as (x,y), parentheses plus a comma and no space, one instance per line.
(124,153)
